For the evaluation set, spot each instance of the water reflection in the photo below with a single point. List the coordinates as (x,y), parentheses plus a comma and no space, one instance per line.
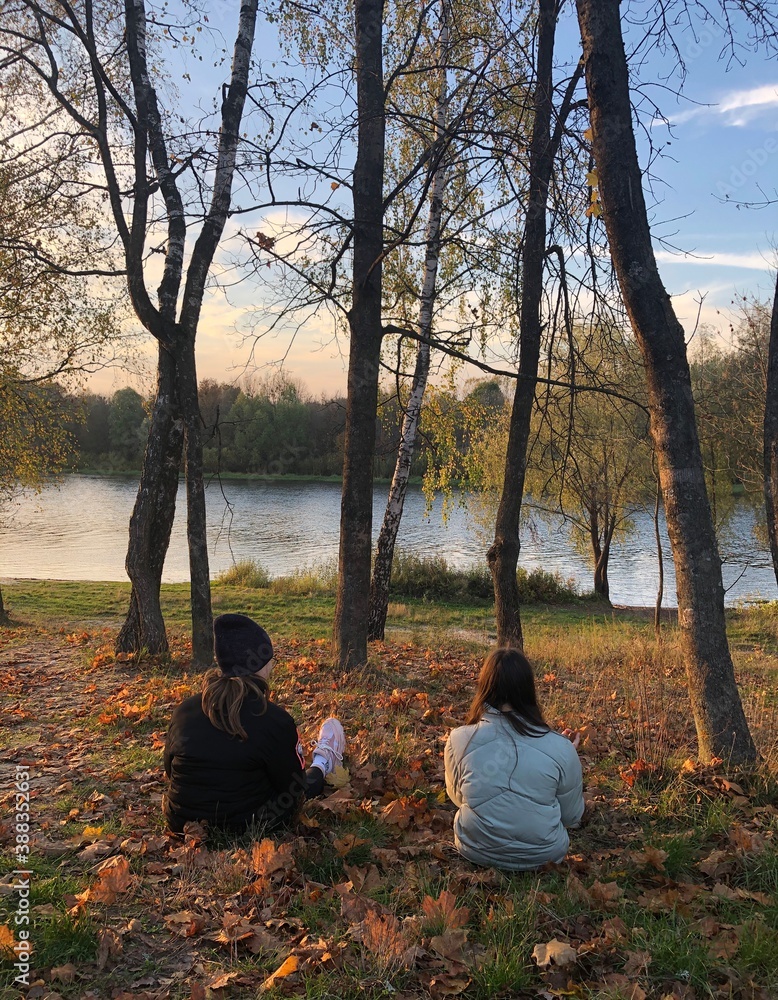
(79,532)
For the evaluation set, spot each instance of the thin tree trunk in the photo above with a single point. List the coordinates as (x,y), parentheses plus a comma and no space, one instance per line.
(152,518)
(3,614)
(387,537)
(771,437)
(661,564)
(601,583)
(503,555)
(594,539)
(200,581)
(722,729)
(356,512)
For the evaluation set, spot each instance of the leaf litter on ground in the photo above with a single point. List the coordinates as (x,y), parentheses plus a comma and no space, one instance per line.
(366,892)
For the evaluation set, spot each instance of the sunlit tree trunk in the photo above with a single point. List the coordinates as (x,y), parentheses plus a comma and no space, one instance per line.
(387,537)
(356,512)
(771,437)
(722,730)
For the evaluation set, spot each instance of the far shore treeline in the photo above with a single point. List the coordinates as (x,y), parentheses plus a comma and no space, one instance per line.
(276,427)
(271,429)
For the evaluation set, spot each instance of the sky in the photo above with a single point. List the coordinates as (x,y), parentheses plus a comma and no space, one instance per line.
(719,152)
(721,155)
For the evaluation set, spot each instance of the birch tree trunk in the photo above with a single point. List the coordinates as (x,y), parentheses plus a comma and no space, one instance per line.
(387,537)
(503,555)
(771,437)
(722,730)
(356,511)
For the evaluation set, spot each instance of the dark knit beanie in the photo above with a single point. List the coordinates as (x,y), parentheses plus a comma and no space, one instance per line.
(240,645)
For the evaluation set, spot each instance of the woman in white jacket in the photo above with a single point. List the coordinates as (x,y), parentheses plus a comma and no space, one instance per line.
(516,782)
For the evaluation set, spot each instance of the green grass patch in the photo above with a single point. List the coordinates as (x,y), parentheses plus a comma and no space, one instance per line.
(507,932)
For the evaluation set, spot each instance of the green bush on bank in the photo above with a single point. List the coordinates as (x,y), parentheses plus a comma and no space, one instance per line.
(431,578)
(246,573)
(427,578)
(252,575)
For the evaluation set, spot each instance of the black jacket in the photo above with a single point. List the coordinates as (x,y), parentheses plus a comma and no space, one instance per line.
(228,781)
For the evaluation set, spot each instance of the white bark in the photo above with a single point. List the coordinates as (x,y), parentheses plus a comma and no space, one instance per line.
(382,569)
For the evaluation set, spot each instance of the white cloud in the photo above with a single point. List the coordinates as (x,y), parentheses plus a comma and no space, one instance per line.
(737,108)
(765,95)
(749,261)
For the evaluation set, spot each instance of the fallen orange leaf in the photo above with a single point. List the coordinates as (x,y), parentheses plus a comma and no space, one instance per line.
(444,910)
(113,877)
(347,844)
(64,973)
(724,945)
(448,986)
(637,963)
(288,968)
(111,946)
(747,841)
(7,941)
(266,858)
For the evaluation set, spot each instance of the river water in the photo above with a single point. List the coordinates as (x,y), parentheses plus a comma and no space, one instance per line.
(78,531)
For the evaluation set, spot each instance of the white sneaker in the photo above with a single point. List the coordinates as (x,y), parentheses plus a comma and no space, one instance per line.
(329,749)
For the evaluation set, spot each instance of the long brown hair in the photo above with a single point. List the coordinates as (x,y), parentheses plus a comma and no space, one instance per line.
(507,678)
(223,699)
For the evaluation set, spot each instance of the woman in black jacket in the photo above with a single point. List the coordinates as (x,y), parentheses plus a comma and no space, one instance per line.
(234,757)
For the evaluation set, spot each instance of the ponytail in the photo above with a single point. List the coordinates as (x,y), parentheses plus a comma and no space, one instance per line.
(223,699)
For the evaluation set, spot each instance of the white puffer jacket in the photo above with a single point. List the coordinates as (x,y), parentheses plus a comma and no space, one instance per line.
(516,794)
